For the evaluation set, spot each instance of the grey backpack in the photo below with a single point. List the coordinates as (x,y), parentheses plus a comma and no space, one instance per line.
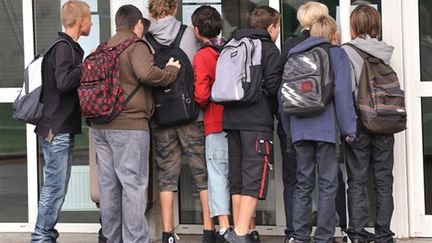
(238,73)
(27,106)
(307,82)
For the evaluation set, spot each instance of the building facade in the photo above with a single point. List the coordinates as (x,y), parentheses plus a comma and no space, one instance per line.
(28,26)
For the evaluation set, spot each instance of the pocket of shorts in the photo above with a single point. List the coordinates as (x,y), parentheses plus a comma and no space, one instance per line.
(264,147)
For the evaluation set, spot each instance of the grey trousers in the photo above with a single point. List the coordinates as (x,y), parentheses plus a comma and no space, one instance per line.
(370,152)
(123,158)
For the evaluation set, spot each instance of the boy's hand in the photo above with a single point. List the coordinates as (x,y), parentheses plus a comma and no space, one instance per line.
(350,139)
(171,62)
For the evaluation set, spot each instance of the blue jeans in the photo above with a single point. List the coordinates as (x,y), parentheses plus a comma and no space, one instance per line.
(58,161)
(216,145)
(309,153)
(123,160)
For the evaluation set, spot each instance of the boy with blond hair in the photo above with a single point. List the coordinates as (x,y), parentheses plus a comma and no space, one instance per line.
(306,14)
(61,118)
(315,138)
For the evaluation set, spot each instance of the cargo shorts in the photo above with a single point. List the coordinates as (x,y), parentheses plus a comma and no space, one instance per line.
(170,143)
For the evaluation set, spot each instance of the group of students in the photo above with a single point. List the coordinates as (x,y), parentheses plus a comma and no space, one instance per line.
(228,149)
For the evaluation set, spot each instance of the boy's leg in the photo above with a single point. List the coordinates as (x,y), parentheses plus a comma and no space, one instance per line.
(247,208)
(288,176)
(382,165)
(109,188)
(58,161)
(192,140)
(235,171)
(305,176)
(168,162)
(256,148)
(358,161)
(131,163)
(218,183)
(327,165)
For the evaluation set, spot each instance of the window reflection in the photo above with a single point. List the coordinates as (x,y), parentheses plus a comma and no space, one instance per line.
(425,8)
(427,152)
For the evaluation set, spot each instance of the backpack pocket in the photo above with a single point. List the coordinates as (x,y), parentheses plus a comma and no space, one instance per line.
(174,111)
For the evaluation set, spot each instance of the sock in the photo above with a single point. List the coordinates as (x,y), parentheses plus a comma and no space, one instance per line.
(222,231)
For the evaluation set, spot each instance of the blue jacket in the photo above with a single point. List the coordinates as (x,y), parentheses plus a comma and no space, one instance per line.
(340,113)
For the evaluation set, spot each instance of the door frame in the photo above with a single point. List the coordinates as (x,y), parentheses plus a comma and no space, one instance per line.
(419,223)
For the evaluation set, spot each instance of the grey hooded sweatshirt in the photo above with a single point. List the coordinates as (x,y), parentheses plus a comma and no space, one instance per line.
(372,46)
(165,31)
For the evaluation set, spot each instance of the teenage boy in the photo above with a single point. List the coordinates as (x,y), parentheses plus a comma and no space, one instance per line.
(315,140)
(247,126)
(123,145)
(183,139)
(207,24)
(306,14)
(61,118)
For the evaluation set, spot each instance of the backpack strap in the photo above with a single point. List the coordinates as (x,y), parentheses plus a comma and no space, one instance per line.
(362,53)
(153,42)
(126,43)
(179,36)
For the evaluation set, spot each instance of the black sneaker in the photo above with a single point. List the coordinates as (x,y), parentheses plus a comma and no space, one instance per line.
(209,236)
(254,236)
(232,237)
(169,237)
(370,237)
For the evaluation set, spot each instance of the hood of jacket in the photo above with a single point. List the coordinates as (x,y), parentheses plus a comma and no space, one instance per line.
(307,44)
(374,47)
(165,29)
(252,33)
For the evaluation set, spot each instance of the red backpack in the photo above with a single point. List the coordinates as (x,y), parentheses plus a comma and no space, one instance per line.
(101,97)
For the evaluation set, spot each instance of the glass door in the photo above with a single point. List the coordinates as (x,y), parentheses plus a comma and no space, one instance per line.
(418,46)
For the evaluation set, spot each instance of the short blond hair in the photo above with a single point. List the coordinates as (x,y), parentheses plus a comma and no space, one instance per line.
(309,12)
(161,8)
(72,11)
(324,27)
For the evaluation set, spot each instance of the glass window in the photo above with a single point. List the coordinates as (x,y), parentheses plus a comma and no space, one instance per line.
(13,168)
(427,152)
(425,8)
(11,69)
(78,207)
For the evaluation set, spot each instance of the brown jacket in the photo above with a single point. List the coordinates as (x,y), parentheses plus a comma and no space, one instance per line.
(137,65)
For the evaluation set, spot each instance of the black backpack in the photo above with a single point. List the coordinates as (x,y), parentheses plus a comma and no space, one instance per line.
(307,82)
(175,103)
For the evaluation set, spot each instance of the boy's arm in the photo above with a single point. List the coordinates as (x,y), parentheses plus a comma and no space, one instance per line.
(67,74)
(272,68)
(145,69)
(202,79)
(343,99)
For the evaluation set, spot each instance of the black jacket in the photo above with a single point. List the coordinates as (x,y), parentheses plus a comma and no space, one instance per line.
(259,116)
(291,42)
(60,78)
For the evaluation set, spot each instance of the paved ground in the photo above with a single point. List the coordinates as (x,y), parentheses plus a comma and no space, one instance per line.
(92,238)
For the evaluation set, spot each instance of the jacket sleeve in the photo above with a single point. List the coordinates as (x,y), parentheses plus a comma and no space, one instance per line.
(67,73)
(343,93)
(272,68)
(202,78)
(145,69)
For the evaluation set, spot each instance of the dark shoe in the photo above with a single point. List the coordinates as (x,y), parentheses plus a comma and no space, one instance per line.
(221,238)
(232,237)
(169,237)
(209,236)
(370,237)
(254,236)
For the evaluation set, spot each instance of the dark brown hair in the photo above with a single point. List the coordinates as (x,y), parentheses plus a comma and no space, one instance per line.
(264,16)
(208,21)
(365,20)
